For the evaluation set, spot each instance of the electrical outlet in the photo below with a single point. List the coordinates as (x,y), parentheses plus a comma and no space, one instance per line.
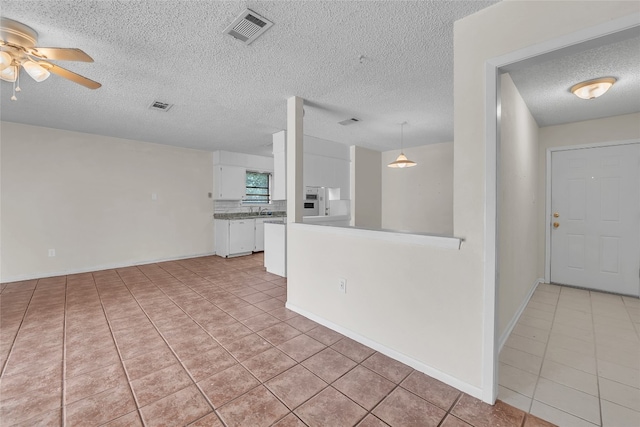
(342,285)
(52,252)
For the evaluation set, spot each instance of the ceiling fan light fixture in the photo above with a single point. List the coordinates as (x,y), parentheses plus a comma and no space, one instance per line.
(36,71)
(5,60)
(401,161)
(9,74)
(591,89)
(19,49)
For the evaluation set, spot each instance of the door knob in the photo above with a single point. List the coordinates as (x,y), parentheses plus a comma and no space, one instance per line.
(556,215)
(556,224)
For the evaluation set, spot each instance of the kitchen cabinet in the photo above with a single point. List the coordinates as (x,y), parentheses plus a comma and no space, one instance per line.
(322,171)
(234,237)
(275,248)
(258,245)
(229,182)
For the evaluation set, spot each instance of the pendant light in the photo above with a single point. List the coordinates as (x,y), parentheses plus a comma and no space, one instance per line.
(402,161)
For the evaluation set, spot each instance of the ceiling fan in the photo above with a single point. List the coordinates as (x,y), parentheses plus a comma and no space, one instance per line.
(18,49)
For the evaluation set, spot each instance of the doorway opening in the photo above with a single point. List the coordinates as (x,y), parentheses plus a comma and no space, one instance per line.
(598,35)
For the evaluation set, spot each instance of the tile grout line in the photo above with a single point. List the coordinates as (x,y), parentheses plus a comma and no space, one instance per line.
(367,412)
(113,337)
(63,411)
(15,338)
(595,355)
(448,411)
(544,357)
(592,329)
(546,343)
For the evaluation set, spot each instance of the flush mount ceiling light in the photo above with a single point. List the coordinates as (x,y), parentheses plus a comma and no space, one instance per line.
(402,161)
(18,51)
(593,88)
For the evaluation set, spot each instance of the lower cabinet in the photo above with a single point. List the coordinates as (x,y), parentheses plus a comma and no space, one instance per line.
(234,237)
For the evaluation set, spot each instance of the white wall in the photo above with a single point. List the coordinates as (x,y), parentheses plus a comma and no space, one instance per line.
(419,199)
(89,197)
(366,184)
(617,128)
(517,205)
(429,303)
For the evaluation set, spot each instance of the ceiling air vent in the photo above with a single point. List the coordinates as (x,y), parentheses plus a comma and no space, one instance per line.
(160,106)
(248,26)
(349,121)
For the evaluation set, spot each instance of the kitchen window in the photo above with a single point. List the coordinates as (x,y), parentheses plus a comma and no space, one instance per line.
(258,186)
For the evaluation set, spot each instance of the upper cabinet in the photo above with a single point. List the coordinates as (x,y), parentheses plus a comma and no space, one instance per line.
(327,164)
(322,171)
(229,173)
(229,182)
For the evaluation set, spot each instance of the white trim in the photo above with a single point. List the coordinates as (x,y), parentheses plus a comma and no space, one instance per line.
(383,235)
(594,145)
(547,226)
(547,223)
(518,313)
(100,267)
(415,364)
(490,281)
(567,40)
(492,72)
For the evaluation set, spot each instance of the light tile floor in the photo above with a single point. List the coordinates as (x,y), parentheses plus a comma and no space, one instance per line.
(573,358)
(203,342)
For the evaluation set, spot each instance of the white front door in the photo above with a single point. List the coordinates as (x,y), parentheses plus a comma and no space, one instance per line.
(595,218)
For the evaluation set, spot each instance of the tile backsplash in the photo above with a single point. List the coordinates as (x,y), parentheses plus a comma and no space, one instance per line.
(236,206)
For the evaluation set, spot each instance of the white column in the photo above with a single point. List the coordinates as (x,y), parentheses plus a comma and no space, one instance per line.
(294,159)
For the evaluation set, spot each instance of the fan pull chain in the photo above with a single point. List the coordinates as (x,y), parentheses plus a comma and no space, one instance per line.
(18,77)
(13,97)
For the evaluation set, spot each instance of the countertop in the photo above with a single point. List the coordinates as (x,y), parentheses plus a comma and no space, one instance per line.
(248,215)
(325,218)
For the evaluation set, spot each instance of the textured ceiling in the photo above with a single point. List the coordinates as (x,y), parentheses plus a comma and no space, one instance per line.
(545,86)
(230,96)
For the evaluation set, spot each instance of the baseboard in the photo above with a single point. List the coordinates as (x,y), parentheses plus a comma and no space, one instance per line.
(415,364)
(23,277)
(516,316)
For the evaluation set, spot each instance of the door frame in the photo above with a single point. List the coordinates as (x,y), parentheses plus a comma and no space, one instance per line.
(492,116)
(547,211)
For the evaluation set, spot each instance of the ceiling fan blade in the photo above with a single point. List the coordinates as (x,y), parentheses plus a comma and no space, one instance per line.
(70,75)
(61,54)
